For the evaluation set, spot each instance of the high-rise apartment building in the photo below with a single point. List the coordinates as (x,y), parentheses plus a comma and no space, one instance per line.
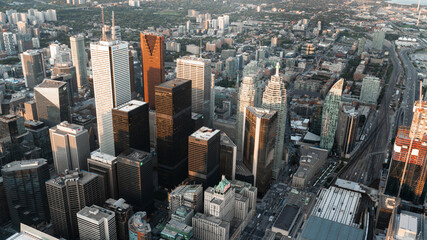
(247,92)
(69,193)
(274,98)
(198,70)
(96,223)
(378,41)
(227,157)
(135,178)
(52,101)
(105,166)
(111,84)
(173,118)
(259,142)
(410,147)
(139,228)
(123,212)
(203,156)
(347,129)
(33,68)
(70,147)
(78,55)
(330,114)
(131,126)
(153,68)
(371,88)
(186,195)
(24,183)
(361,46)
(9,44)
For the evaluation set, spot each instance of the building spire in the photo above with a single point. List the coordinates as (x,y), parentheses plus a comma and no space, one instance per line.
(277,69)
(104,37)
(113,26)
(200,50)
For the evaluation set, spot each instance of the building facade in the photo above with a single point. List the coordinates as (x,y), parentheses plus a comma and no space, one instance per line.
(33,68)
(247,92)
(371,88)
(105,166)
(96,223)
(78,55)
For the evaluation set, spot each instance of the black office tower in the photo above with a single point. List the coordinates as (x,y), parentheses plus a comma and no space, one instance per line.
(67,195)
(123,213)
(203,157)
(173,120)
(131,127)
(105,166)
(24,183)
(135,178)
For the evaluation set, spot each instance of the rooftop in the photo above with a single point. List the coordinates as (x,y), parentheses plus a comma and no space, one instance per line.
(23,165)
(286,217)
(81,176)
(48,83)
(135,155)
(319,228)
(131,105)
(205,133)
(95,213)
(138,223)
(173,83)
(68,128)
(226,140)
(262,112)
(102,157)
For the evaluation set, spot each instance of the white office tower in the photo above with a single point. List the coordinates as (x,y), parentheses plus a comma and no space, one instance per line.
(247,92)
(96,223)
(198,70)
(111,74)
(274,98)
(54,51)
(70,147)
(226,20)
(78,55)
(9,44)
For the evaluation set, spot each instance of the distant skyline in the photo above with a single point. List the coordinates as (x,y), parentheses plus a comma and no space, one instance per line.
(406,2)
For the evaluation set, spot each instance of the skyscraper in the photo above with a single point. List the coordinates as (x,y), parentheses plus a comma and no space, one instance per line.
(105,166)
(247,92)
(96,223)
(330,115)
(198,70)
(153,68)
(41,139)
(111,84)
(135,178)
(259,142)
(9,44)
(274,98)
(378,41)
(410,147)
(131,126)
(66,72)
(4,209)
(173,118)
(203,156)
(67,195)
(347,129)
(78,55)
(52,101)
(24,183)
(70,147)
(227,157)
(33,67)
(123,212)
(139,229)
(371,88)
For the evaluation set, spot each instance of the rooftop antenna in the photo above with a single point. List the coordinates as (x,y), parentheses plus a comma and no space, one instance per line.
(104,37)
(200,50)
(277,69)
(419,3)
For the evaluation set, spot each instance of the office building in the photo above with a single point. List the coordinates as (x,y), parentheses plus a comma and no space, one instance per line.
(9,44)
(371,88)
(105,166)
(65,200)
(378,41)
(70,147)
(219,201)
(139,229)
(208,227)
(4,209)
(198,70)
(274,98)
(186,195)
(66,72)
(361,46)
(173,118)
(96,223)
(153,68)
(111,84)
(247,92)
(259,142)
(30,111)
(123,213)
(203,156)
(227,157)
(29,233)
(183,215)
(330,114)
(78,55)
(131,126)
(33,68)
(41,139)
(52,101)
(135,178)
(177,230)
(410,140)
(24,183)
(311,161)
(346,134)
